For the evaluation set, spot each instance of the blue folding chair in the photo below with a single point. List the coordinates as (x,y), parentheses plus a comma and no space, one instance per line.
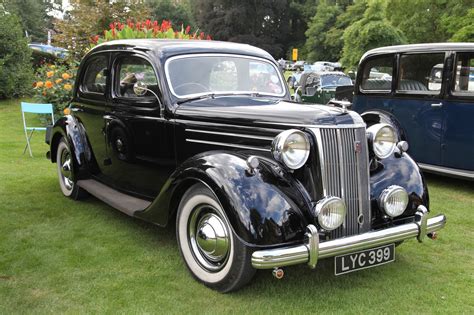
(36,109)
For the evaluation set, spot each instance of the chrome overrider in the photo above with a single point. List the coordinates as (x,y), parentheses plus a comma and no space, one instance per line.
(312,249)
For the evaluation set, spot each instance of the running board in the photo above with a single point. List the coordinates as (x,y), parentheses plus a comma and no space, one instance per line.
(447,171)
(120,201)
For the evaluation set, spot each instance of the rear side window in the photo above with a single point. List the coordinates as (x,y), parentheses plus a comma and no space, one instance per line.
(377,74)
(464,79)
(94,79)
(421,73)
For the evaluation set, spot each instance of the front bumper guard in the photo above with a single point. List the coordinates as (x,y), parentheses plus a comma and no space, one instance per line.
(313,250)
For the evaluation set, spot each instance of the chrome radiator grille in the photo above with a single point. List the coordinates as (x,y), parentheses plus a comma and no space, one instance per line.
(343,158)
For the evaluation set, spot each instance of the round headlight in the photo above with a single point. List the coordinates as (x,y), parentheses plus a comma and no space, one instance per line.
(393,200)
(291,147)
(383,138)
(331,212)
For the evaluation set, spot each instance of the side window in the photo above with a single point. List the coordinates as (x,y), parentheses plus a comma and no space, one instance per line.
(421,73)
(377,74)
(464,77)
(94,80)
(130,70)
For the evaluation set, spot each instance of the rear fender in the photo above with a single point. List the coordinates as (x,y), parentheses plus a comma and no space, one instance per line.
(266,208)
(73,131)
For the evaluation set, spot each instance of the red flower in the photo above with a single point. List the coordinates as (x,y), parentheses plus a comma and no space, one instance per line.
(155,23)
(165,25)
(201,36)
(120,26)
(111,26)
(95,39)
(188,28)
(147,23)
(208,37)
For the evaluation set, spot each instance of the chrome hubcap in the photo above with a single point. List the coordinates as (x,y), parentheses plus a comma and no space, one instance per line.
(209,238)
(66,169)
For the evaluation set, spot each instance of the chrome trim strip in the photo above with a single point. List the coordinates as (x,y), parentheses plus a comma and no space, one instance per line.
(322,164)
(198,55)
(315,126)
(246,147)
(206,123)
(299,254)
(446,170)
(230,134)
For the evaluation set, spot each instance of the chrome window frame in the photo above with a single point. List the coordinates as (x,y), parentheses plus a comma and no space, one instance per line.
(197,55)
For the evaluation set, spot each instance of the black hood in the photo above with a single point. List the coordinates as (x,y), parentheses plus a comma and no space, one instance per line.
(275,113)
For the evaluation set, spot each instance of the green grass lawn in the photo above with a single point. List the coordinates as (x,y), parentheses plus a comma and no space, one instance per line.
(58,256)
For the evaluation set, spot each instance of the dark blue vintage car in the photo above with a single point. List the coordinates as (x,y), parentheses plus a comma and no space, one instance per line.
(427,91)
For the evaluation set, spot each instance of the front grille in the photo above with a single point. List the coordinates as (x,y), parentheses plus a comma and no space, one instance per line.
(343,158)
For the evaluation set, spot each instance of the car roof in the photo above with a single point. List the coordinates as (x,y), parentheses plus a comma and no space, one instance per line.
(171,47)
(427,47)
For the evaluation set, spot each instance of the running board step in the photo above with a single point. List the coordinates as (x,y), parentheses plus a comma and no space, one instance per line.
(120,201)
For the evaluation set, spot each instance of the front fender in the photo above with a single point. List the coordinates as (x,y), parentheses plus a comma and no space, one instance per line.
(266,208)
(71,129)
(403,171)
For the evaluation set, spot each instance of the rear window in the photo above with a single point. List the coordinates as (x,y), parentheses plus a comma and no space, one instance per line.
(421,73)
(377,74)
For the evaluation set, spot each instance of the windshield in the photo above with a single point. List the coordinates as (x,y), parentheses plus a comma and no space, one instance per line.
(194,75)
(335,80)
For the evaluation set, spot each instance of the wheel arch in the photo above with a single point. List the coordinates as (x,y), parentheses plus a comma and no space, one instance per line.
(264,209)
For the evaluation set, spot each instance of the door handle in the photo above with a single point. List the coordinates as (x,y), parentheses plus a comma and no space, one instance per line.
(437,105)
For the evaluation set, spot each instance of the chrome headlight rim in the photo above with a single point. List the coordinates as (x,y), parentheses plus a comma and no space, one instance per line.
(279,144)
(388,193)
(373,131)
(324,203)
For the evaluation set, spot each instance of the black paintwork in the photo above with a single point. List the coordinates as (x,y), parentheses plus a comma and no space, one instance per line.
(165,155)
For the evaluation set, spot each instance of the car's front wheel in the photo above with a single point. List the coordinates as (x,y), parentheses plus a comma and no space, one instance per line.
(66,174)
(212,252)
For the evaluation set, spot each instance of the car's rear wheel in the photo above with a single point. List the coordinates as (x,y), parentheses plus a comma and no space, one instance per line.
(212,252)
(66,172)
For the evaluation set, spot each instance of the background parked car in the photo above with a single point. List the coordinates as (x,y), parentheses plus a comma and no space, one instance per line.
(320,87)
(427,90)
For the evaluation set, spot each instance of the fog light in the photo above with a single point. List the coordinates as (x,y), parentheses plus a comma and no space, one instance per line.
(331,212)
(393,200)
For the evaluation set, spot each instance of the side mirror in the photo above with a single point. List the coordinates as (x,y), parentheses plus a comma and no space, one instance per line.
(140,88)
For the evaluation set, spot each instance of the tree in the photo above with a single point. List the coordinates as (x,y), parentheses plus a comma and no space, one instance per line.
(88,18)
(372,31)
(261,23)
(33,16)
(334,38)
(458,20)
(419,20)
(176,12)
(15,67)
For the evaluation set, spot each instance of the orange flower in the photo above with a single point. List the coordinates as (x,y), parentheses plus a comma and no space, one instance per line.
(48,84)
(58,81)
(39,84)
(68,87)
(49,74)
(66,76)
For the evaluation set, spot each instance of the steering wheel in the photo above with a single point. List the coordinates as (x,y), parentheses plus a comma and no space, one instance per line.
(198,85)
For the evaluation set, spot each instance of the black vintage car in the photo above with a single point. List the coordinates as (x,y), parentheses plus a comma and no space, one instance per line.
(202,134)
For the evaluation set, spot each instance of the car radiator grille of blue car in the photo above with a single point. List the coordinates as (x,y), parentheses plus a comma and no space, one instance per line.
(344,166)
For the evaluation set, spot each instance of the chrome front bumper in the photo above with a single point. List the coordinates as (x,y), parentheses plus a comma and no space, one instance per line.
(313,250)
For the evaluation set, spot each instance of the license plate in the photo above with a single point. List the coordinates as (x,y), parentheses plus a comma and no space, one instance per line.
(364,259)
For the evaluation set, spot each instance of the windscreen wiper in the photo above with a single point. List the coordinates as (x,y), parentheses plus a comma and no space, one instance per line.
(200,97)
